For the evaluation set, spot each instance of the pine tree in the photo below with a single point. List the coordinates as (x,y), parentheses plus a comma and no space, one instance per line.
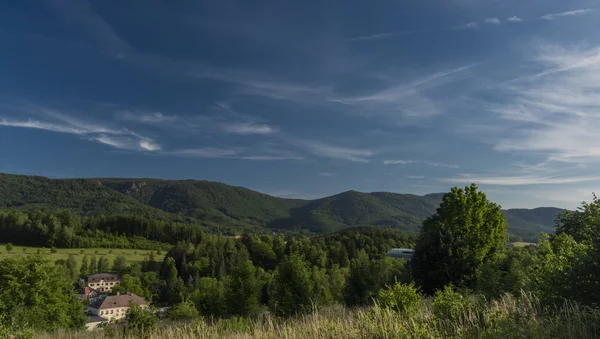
(84,269)
(93,265)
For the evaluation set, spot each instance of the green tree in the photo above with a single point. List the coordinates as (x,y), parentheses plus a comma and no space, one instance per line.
(403,298)
(93,265)
(9,247)
(35,294)
(140,321)
(103,264)
(583,224)
(71,266)
(466,231)
(292,287)
(132,284)
(174,287)
(361,285)
(120,264)
(209,297)
(184,311)
(510,272)
(337,281)
(84,269)
(242,288)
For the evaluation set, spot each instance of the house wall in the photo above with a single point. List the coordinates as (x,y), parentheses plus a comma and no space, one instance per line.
(104,286)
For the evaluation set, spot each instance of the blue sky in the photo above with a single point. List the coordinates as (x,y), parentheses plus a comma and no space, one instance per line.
(308,98)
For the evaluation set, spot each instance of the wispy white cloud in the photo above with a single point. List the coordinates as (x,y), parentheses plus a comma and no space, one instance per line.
(127,142)
(556,112)
(415,176)
(493,21)
(117,138)
(471,25)
(514,19)
(518,180)
(42,126)
(270,157)
(429,163)
(398,162)
(232,153)
(438,164)
(146,117)
(567,13)
(407,99)
(81,15)
(249,128)
(336,152)
(206,152)
(326,174)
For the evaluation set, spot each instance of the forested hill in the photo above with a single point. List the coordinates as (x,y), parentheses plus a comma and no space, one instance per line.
(219,205)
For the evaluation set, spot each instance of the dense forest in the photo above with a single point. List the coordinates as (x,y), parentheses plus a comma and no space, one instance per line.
(219,208)
(464,271)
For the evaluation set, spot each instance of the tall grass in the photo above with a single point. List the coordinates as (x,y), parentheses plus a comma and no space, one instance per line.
(506,317)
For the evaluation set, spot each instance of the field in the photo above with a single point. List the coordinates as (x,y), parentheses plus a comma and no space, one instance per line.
(506,317)
(523,244)
(131,255)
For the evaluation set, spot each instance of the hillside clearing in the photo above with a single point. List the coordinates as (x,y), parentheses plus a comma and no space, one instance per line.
(132,255)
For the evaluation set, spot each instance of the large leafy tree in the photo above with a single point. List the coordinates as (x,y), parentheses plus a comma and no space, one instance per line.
(466,231)
(242,288)
(209,297)
(361,285)
(568,263)
(292,286)
(36,294)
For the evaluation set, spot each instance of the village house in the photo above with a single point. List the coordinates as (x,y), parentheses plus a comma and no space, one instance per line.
(88,293)
(115,307)
(103,282)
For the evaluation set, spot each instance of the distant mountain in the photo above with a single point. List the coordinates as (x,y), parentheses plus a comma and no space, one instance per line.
(220,205)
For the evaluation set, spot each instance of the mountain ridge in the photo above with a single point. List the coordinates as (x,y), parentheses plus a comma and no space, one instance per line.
(216,204)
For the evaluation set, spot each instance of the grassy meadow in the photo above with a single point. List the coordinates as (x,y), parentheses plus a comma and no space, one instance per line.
(506,317)
(132,255)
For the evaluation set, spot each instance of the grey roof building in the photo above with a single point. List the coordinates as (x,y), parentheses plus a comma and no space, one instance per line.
(401,253)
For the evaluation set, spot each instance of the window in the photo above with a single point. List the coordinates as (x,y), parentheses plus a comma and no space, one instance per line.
(111,311)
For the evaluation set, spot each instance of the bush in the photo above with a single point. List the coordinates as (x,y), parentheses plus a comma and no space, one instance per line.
(449,304)
(402,298)
(140,321)
(184,311)
(53,250)
(9,247)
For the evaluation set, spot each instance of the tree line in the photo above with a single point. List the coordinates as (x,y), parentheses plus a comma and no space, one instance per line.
(461,250)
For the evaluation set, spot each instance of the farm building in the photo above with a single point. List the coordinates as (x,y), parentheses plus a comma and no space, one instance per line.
(401,253)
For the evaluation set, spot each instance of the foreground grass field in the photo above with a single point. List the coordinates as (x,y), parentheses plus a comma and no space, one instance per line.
(507,317)
(131,255)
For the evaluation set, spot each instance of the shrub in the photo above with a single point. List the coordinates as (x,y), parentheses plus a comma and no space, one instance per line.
(184,311)
(9,247)
(53,250)
(140,321)
(402,298)
(449,304)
